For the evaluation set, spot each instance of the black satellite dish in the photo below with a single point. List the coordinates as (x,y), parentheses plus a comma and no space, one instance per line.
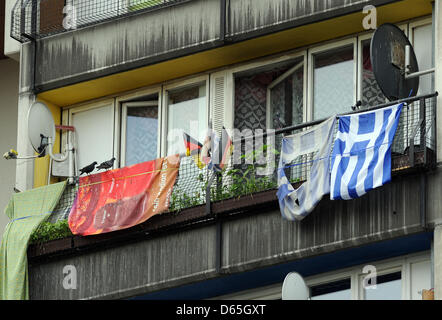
(388,57)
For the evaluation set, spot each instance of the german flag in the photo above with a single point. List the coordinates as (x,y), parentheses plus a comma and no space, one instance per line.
(193,148)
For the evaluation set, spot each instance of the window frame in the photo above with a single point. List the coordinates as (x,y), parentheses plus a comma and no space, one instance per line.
(68,113)
(427,21)
(391,265)
(323,48)
(384,271)
(263,62)
(124,107)
(280,79)
(119,142)
(180,84)
(415,24)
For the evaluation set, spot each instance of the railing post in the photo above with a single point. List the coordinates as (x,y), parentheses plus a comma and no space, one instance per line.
(208,199)
(22,18)
(422,118)
(34,19)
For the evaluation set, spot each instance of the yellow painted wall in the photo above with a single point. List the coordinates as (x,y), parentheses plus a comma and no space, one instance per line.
(41,165)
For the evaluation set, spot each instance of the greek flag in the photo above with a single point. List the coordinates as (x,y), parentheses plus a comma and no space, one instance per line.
(296,204)
(361,158)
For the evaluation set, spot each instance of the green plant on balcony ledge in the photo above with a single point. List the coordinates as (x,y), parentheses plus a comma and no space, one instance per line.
(48,231)
(232,183)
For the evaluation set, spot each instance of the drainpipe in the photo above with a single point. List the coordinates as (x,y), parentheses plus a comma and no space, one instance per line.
(223,18)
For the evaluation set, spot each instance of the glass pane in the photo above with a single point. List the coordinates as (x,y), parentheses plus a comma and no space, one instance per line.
(187,112)
(94,135)
(141,134)
(287,101)
(423,47)
(338,290)
(371,93)
(338,295)
(388,287)
(334,83)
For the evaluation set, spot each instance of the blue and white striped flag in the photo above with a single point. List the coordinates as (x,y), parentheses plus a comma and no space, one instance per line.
(296,204)
(361,158)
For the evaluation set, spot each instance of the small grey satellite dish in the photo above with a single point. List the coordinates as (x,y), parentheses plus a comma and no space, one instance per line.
(41,126)
(389,47)
(294,287)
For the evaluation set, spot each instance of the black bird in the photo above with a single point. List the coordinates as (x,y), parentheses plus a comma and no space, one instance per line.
(106,164)
(357,106)
(88,169)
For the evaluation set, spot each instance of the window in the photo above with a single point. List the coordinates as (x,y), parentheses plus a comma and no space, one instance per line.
(94,132)
(187,112)
(333,83)
(398,278)
(285,97)
(388,287)
(338,290)
(140,129)
(421,36)
(270,95)
(371,94)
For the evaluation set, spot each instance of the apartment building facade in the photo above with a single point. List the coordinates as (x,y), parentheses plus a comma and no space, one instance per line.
(104,67)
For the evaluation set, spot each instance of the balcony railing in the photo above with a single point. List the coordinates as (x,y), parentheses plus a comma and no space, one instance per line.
(414,147)
(35,19)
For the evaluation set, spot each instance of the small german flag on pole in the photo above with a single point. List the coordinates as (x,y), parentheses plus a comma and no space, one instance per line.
(193,148)
(192,145)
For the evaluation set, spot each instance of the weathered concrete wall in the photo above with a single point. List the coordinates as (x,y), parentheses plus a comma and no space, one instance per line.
(9,71)
(251,15)
(190,27)
(249,242)
(129,40)
(266,238)
(134,268)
